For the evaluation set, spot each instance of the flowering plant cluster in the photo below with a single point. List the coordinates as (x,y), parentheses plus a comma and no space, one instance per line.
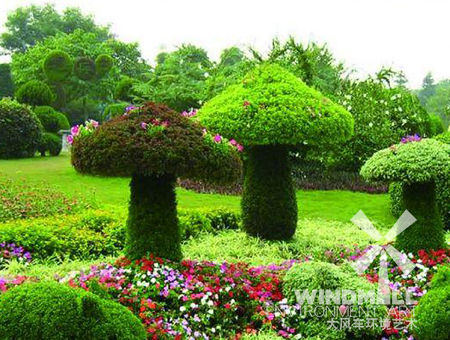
(10,251)
(7,283)
(411,138)
(80,130)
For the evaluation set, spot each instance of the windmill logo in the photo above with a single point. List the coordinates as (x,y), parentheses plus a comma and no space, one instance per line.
(401,259)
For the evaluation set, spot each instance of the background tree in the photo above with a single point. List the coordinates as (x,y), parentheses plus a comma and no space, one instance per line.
(428,88)
(6,83)
(438,103)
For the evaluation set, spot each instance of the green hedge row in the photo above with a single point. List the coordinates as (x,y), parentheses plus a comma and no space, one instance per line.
(99,232)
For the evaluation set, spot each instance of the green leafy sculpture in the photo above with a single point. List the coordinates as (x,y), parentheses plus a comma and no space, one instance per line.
(268,112)
(153,145)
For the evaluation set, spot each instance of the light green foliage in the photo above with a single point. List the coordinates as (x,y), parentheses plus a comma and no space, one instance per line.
(422,161)
(124,89)
(58,66)
(437,126)
(271,106)
(114,110)
(438,103)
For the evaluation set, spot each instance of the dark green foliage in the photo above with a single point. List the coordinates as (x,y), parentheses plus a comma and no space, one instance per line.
(103,64)
(6,83)
(432,315)
(84,68)
(20,130)
(35,93)
(50,142)
(436,125)
(52,311)
(114,110)
(51,120)
(124,89)
(152,226)
(268,188)
(121,147)
(427,232)
(58,66)
(396,198)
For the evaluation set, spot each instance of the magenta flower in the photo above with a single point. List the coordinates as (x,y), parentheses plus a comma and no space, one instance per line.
(165,123)
(217,138)
(130,108)
(70,139)
(246,103)
(233,142)
(239,148)
(94,123)
(144,125)
(204,132)
(75,130)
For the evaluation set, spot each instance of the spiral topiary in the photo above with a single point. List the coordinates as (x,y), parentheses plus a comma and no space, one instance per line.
(58,66)
(51,120)
(417,164)
(35,93)
(269,111)
(153,145)
(51,311)
(103,64)
(84,68)
(20,130)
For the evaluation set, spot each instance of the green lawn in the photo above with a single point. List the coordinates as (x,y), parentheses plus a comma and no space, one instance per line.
(326,205)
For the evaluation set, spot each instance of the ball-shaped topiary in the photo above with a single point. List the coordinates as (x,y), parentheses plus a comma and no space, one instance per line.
(58,66)
(84,68)
(35,93)
(51,120)
(20,130)
(103,64)
(269,111)
(50,142)
(417,165)
(51,311)
(154,145)
(432,316)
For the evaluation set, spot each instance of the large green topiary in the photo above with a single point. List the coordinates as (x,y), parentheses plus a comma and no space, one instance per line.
(20,130)
(417,164)
(35,93)
(58,66)
(269,111)
(51,120)
(84,68)
(432,315)
(53,311)
(154,145)
(103,64)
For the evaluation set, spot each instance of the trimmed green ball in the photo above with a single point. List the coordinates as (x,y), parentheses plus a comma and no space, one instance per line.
(84,68)
(35,93)
(58,66)
(103,64)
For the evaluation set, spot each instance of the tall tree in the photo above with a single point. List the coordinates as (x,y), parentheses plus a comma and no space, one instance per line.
(428,88)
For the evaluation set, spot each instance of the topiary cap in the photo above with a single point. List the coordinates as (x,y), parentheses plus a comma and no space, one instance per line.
(154,140)
(414,161)
(271,106)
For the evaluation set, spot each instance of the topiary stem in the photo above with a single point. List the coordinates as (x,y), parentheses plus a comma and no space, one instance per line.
(427,232)
(269,204)
(152,226)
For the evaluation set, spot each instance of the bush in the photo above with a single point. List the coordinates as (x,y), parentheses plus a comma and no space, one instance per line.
(58,66)
(50,142)
(35,93)
(432,315)
(436,125)
(20,130)
(52,311)
(51,120)
(103,64)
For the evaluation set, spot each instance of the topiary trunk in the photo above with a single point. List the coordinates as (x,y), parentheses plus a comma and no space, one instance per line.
(152,226)
(427,232)
(269,204)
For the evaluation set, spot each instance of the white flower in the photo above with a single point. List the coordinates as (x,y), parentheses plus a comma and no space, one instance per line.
(182,309)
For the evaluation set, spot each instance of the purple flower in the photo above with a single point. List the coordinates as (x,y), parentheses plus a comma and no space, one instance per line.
(130,108)
(144,125)
(75,130)
(69,139)
(217,138)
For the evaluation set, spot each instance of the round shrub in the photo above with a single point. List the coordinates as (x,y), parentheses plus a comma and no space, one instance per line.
(58,66)
(51,120)
(103,64)
(124,89)
(50,142)
(436,125)
(35,93)
(37,311)
(269,111)
(20,130)
(418,165)
(84,68)
(432,315)
(154,145)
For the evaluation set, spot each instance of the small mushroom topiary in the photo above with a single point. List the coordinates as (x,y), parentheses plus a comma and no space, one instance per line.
(268,112)
(417,164)
(153,145)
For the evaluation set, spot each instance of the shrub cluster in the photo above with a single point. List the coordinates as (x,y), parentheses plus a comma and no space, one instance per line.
(20,130)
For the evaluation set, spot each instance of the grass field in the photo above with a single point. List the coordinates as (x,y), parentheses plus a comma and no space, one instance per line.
(110,192)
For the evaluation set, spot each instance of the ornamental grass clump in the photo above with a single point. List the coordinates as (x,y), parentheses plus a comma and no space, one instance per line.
(416,164)
(268,112)
(153,145)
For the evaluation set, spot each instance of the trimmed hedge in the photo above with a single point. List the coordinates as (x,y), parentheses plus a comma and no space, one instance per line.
(58,66)
(35,93)
(20,130)
(53,311)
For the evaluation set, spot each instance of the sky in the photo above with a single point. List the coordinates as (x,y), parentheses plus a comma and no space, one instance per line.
(409,35)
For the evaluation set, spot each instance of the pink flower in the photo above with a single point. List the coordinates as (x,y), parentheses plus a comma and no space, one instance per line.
(342,309)
(144,125)
(233,142)
(246,103)
(70,139)
(217,138)
(94,123)
(165,123)
(75,130)
(204,132)
(239,148)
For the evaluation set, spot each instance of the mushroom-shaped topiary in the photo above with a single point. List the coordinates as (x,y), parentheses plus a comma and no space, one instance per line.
(417,164)
(153,145)
(58,66)
(35,93)
(268,112)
